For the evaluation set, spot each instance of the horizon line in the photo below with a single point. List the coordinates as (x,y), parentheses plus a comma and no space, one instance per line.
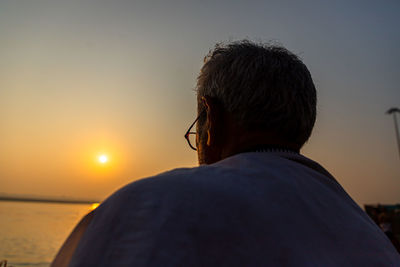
(47,200)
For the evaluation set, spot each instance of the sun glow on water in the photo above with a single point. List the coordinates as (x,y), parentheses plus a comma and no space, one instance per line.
(94,206)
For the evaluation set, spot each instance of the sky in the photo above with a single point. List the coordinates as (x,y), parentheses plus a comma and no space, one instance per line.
(79,79)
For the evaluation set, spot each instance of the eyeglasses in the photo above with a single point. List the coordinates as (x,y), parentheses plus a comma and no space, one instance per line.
(193,135)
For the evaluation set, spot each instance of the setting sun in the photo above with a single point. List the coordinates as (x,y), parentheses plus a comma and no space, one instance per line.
(103,159)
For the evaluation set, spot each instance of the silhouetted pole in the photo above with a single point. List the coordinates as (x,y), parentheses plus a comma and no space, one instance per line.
(396,127)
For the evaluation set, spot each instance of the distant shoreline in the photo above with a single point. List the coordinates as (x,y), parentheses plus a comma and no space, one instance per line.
(46,200)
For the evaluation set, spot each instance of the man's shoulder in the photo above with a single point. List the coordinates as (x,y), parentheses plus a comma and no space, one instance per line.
(224,177)
(169,183)
(180,176)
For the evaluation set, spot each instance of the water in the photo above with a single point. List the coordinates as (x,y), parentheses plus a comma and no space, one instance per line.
(31,233)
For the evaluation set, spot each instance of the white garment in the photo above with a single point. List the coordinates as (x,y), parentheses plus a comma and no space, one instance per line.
(251,209)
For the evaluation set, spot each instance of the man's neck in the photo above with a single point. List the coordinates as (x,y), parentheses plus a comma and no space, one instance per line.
(251,141)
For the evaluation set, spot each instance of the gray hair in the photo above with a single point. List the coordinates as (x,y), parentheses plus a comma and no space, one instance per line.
(264,87)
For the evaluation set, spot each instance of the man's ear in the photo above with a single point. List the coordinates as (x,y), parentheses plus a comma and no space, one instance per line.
(213,119)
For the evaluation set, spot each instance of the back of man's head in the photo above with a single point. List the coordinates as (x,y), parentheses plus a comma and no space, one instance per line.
(264,87)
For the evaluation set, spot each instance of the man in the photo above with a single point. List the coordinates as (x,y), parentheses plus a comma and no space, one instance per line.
(254,201)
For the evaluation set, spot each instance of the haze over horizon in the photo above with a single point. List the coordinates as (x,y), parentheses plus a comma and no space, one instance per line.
(84,79)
